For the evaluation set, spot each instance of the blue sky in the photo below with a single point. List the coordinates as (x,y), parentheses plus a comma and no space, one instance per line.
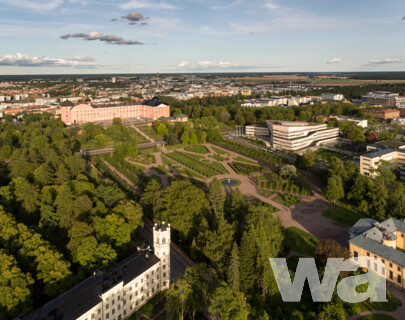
(139,36)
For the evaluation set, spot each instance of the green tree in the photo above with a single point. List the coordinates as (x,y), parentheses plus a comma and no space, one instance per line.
(233,268)
(216,196)
(177,296)
(183,203)
(44,174)
(193,138)
(61,174)
(162,129)
(247,259)
(378,196)
(151,199)
(185,137)
(226,304)
(334,189)
(27,194)
(112,229)
(15,295)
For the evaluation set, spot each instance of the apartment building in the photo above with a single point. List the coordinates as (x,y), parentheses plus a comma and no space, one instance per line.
(293,136)
(119,292)
(391,152)
(332,97)
(383,98)
(383,241)
(83,113)
(384,114)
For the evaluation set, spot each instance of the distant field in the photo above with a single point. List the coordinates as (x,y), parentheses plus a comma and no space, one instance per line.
(319,81)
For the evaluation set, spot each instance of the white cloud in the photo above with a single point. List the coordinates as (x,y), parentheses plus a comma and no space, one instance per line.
(334,60)
(25,60)
(140,4)
(81,58)
(41,5)
(385,61)
(183,64)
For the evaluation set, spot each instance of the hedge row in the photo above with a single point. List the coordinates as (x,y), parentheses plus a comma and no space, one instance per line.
(190,162)
(250,152)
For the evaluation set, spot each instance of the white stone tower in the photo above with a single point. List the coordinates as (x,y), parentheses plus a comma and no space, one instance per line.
(161,247)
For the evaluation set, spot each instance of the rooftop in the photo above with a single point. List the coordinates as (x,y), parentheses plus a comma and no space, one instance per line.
(86,295)
(369,233)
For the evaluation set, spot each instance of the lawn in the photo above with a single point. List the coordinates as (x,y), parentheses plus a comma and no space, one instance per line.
(149,150)
(377,317)
(195,156)
(323,154)
(219,151)
(150,132)
(92,144)
(245,160)
(391,305)
(197,149)
(218,158)
(140,138)
(300,241)
(174,147)
(244,168)
(342,213)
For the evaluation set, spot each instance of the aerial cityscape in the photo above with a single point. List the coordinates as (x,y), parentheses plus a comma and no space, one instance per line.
(204,159)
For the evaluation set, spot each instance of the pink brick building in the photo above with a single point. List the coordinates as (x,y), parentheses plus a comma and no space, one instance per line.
(82,113)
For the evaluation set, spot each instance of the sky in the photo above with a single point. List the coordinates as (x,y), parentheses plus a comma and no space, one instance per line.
(176,36)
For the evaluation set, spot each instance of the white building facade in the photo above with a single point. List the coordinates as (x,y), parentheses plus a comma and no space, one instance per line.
(294,136)
(119,292)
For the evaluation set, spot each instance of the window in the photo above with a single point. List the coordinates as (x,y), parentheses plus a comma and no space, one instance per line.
(390,265)
(119,307)
(113,301)
(107,306)
(391,276)
(113,311)
(399,269)
(107,315)
(402,235)
(368,263)
(375,267)
(383,271)
(383,261)
(356,255)
(368,254)
(399,279)
(375,257)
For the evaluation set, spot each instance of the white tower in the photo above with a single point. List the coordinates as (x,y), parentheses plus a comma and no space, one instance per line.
(161,246)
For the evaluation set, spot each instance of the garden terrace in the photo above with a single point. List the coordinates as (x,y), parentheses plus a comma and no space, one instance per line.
(205,169)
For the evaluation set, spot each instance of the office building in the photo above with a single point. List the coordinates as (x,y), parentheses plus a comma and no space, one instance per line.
(332,97)
(82,113)
(257,130)
(383,241)
(389,151)
(293,136)
(119,292)
(381,98)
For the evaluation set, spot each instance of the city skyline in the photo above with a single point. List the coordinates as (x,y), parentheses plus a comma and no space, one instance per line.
(144,36)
